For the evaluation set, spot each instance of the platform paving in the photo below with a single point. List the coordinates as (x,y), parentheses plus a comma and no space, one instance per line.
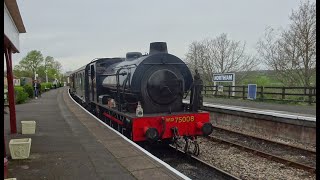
(70,144)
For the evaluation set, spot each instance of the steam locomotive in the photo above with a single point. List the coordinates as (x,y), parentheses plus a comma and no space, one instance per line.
(141,96)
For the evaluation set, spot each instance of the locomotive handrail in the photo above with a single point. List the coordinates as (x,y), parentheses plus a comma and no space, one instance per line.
(96,59)
(125,66)
(123,74)
(114,110)
(118,87)
(124,85)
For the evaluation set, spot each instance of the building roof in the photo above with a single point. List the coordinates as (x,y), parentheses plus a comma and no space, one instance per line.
(13,9)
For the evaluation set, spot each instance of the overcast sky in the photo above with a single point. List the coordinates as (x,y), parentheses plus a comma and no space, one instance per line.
(76,31)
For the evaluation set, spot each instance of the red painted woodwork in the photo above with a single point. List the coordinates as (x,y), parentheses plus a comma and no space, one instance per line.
(12,109)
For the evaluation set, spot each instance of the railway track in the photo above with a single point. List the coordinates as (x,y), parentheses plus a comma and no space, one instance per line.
(295,147)
(265,154)
(189,165)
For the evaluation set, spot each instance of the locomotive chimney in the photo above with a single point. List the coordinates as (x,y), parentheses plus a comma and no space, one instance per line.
(158,47)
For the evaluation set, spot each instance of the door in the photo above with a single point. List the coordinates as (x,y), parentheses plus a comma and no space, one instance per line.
(92,79)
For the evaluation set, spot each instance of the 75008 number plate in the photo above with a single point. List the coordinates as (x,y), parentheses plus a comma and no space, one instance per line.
(180,119)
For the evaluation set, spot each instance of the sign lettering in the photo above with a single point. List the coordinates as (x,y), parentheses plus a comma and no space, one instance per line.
(223,77)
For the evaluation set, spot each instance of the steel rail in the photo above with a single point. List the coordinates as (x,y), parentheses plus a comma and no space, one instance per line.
(224,173)
(268,140)
(265,155)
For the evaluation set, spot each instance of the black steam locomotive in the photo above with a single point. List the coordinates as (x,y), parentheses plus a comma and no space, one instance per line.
(113,89)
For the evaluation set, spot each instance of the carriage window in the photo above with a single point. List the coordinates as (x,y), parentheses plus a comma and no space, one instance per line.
(77,76)
(92,71)
(75,80)
(83,79)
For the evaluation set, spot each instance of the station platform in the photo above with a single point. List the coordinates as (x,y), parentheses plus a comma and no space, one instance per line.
(302,110)
(71,144)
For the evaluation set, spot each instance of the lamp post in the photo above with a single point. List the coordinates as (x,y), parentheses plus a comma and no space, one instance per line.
(55,80)
(35,75)
(46,71)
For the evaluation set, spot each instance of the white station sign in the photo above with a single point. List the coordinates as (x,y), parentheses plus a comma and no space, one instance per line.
(224,77)
(228,77)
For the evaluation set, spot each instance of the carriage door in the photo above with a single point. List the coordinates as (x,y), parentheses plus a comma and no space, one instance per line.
(92,73)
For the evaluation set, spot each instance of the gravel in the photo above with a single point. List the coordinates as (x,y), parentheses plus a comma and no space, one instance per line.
(283,151)
(247,165)
(189,167)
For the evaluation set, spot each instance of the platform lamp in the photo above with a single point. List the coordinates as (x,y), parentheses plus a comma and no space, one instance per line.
(35,75)
(46,71)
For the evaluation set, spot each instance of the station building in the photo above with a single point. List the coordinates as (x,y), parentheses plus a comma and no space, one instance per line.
(13,27)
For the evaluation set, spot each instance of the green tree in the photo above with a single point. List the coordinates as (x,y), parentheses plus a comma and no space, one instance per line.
(34,61)
(263,81)
(47,66)
(219,55)
(20,72)
(41,72)
(57,66)
(48,62)
(291,52)
(30,63)
(53,68)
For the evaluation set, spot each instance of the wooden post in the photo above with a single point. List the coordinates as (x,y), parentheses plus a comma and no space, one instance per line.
(12,109)
(205,90)
(229,93)
(4,150)
(310,95)
(305,90)
(215,90)
(283,92)
(243,91)
(261,93)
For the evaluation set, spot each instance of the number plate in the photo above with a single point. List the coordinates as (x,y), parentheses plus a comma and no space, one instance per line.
(181,119)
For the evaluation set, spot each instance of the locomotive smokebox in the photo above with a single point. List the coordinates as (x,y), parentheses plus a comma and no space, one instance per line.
(158,47)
